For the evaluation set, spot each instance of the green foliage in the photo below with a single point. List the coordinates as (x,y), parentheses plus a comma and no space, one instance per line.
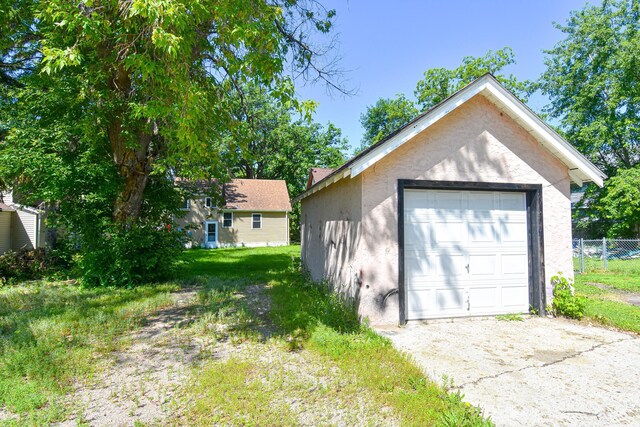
(440,83)
(511,317)
(605,305)
(102,103)
(24,264)
(565,302)
(620,203)
(592,81)
(273,140)
(125,258)
(385,117)
(388,115)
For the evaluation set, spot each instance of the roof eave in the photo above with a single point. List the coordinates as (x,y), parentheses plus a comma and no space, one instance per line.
(580,168)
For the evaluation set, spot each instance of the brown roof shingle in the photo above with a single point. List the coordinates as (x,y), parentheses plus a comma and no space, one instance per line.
(257,195)
(318,174)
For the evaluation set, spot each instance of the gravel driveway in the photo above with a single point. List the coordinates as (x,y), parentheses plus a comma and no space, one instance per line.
(539,372)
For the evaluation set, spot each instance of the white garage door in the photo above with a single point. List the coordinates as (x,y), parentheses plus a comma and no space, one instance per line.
(465,253)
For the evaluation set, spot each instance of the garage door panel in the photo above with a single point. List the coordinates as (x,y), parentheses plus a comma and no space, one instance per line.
(515,264)
(449,231)
(515,297)
(451,264)
(480,232)
(483,298)
(484,265)
(465,253)
(449,299)
(514,231)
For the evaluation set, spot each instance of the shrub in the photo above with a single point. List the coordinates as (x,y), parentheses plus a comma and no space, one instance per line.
(23,264)
(128,257)
(565,302)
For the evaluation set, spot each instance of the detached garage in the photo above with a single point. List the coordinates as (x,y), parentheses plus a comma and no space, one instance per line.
(465,211)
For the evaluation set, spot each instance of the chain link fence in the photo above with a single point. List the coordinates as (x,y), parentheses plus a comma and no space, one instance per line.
(619,255)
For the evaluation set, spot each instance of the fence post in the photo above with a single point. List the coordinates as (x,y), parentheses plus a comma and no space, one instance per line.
(604,251)
(581,255)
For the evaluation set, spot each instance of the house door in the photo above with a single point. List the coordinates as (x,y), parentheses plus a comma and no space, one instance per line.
(211,234)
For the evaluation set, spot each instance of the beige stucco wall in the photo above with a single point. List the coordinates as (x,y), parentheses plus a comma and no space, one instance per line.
(5,231)
(274,229)
(330,227)
(478,143)
(24,227)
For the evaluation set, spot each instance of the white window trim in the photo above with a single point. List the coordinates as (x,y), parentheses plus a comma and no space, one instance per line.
(230,226)
(256,228)
(210,202)
(186,208)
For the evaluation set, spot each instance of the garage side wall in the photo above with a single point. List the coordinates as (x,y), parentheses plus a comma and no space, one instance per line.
(475,143)
(330,228)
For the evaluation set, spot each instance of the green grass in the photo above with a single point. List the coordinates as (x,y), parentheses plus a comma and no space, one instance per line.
(314,321)
(625,282)
(621,266)
(52,335)
(605,306)
(55,336)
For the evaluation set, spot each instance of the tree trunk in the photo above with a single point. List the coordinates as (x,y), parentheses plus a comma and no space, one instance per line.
(134,166)
(133,163)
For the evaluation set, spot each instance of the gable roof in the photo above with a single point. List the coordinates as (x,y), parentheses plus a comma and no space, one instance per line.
(580,168)
(256,195)
(318,174)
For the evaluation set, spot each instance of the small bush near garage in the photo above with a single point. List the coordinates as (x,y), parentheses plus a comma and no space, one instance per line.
(565,302)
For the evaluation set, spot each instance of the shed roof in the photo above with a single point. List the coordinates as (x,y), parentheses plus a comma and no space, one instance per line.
(317,175)
(580,168)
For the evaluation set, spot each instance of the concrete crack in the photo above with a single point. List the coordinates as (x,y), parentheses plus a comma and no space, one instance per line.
(544,365)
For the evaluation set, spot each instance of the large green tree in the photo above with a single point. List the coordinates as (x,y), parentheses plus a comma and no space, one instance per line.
(103,100)
(593,82)
(273,140)
(388,115)
(385,117)
(440,83)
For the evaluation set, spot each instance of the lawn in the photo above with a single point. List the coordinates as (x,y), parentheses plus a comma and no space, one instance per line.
(272,349)
(607,304)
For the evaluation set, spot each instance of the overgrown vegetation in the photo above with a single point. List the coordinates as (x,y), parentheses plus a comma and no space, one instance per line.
(295,349)
(565,302)
(605,296)
(53,335)
(312,321)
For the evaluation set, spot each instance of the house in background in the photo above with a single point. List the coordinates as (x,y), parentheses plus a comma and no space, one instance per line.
(464,211)
(21,227)
(250,212)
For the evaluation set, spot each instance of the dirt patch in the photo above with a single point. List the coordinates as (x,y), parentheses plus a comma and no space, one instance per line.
(619,295)
(139,383)
(150,381)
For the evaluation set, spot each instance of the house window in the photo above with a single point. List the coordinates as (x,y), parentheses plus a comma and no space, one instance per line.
(227,219)
(256,220)
(186,204)
(208,202)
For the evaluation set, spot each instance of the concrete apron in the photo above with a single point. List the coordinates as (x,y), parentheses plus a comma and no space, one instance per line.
(538,372)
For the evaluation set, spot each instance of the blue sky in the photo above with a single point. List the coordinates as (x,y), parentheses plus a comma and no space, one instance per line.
(387,46)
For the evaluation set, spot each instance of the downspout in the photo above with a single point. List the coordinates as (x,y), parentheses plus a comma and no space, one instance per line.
(37,239)
(286,215)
